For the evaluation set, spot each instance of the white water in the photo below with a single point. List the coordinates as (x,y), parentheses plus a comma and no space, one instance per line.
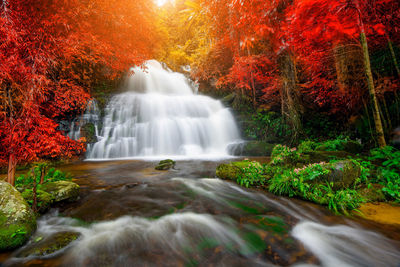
(161,115)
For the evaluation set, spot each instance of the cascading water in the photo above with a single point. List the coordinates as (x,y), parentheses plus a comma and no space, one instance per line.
(160,115)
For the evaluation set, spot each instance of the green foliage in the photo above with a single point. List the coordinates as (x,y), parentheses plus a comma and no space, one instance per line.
(282,154)
(387,172)
(51,175)
(252,175)
(266,125)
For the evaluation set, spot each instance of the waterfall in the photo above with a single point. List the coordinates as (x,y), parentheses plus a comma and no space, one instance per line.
(91,115)
(160,114)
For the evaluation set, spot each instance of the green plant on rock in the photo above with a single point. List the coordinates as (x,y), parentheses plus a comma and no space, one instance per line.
(282,154)
(387,170)
(252,175)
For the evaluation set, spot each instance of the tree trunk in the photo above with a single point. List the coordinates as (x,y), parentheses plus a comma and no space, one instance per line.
(396,64)
(34,191)
(12,165)
(290,99)
(370,80)
(371,88)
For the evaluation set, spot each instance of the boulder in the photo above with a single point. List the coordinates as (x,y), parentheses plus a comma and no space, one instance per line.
(322,156)
(251,148)
(43,246)
(165,165)
(231,171)
(17,220)
(62,190)
(341,174)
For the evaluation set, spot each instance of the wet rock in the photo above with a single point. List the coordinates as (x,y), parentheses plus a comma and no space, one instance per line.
(17,220)
(88,131)
(42,246)
(165,165)
(229,99)
(62,190)
(251,148)
(232,170)
(44,199)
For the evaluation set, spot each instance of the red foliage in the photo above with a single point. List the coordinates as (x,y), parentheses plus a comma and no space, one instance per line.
(50,52)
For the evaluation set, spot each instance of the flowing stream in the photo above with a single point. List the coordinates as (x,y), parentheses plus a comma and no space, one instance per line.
(132,215)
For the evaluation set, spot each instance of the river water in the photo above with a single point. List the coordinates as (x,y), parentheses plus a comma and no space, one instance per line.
(132,215)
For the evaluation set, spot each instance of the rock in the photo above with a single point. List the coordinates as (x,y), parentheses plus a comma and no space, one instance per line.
(44,199)
(372,194)
(89,132)
(228,100)
(17,220)
(232,170)
(165,165)
(342,174)
(320,156)
(251,148)
(42,246)
(349,146)
(62,190)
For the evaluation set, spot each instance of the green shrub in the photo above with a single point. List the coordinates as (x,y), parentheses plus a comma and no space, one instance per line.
(252,175)
(282,154)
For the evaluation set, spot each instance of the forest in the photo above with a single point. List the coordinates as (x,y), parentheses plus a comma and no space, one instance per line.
(307,111)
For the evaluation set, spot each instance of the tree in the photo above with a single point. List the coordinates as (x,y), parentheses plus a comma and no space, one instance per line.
(50,53)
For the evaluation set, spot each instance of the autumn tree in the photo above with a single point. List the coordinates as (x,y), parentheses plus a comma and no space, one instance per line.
(50,53)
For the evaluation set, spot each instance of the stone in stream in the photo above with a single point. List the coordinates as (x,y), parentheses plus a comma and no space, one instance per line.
(42,246)
(17,220)
(62,190)
(165,165)
(232,170)
(251,148)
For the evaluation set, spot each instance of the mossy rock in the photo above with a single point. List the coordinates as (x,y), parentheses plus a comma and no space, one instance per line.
(44,199)
(372,194)
(43,246)
(17,220)
(165,165)
(228,100)
(342,174)
(251,148)
(323,156)
(89,132)
(62,190)
(231,171)
(349,146)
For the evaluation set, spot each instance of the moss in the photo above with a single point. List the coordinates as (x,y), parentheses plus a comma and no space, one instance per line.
(373,193)
(14,235)
(62,190)
(165,165)
(46,246)
(17,221)
(232,170)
